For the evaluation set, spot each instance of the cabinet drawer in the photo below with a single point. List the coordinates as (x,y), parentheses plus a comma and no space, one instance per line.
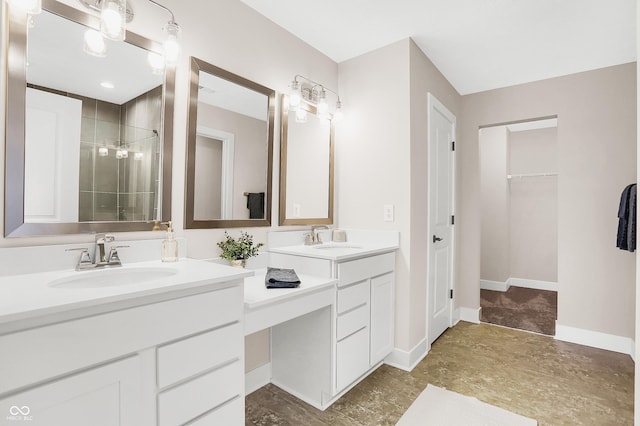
(203,351)
(352,358)
(355,295)
(192,399)
(352,321)
(358,270)
(231,413)
(107,336)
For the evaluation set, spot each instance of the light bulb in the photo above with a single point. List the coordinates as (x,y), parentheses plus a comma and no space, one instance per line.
(94,43)
(156,61)
(112,19)
(323,107)
(32,7)
(171,45)
(294,95)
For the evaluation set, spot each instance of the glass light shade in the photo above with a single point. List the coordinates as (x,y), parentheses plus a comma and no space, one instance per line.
(156,61)
(113,16)
(32,7)
(94,43)
(171,45)
(323,107)
(103,151)
(294,95)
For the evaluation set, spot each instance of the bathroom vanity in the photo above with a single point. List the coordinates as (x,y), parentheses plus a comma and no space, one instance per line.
(363,322)
(79,349)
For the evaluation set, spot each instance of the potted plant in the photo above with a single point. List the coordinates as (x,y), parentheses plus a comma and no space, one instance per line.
(237,251)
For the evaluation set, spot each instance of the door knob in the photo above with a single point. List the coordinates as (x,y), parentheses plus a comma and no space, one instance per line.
(436,239)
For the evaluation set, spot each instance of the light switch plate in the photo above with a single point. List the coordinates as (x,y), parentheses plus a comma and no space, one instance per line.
(296,210)
(388,213)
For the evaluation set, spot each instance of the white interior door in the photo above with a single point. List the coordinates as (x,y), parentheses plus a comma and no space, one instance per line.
(442,126)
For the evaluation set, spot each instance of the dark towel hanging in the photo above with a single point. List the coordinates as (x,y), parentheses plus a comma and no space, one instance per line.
(627,219)
(255,204)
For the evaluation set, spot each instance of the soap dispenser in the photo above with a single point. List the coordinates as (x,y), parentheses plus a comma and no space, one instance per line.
(169,246)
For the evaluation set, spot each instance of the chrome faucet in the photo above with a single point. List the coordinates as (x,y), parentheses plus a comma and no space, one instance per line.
(101,240)
(313,238)
(100,260)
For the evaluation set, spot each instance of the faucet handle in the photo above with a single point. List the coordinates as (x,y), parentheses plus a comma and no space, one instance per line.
(114,258)
(85,258)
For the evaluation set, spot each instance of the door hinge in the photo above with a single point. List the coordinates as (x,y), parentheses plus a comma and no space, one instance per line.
(453,219)
(453,145)
(451,294)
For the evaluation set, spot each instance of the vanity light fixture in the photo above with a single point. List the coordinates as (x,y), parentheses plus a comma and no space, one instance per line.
(32,7)
(103,151)
(313,93)
(114,14)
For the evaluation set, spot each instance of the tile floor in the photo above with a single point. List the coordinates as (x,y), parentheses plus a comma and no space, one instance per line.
(554,382)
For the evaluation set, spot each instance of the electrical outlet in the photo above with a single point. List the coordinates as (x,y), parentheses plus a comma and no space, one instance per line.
(388,212)
(296,210)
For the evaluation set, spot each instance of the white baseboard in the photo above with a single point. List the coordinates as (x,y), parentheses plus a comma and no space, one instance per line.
(494,285)
(518,282)
(257,378)
(536,284)
(467,314)
(407,360)
(595,339)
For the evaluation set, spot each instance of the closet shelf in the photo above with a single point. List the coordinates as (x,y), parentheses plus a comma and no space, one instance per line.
(530,175)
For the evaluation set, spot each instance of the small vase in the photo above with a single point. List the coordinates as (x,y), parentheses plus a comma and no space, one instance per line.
(238,263)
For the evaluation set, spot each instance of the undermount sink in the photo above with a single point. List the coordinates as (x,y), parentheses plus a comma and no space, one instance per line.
(112,277)
(333,246)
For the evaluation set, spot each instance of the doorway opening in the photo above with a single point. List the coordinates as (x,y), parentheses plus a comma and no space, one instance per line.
(519,225)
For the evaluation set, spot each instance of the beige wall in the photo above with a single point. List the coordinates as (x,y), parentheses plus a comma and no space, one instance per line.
(385,92)
(533,206)
(495,204)
(596,159)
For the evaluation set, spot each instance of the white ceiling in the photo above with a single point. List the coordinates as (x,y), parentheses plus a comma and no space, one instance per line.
(477,44)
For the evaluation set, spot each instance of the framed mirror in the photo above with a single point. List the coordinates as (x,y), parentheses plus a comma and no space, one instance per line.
(229,150)
(306,167)
(88,142)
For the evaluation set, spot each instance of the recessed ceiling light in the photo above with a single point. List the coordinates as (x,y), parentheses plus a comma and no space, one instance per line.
(107,85)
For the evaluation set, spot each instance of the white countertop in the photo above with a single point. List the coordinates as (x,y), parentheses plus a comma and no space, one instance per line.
(267,307)
(256,294)
(27,300)
(335,251)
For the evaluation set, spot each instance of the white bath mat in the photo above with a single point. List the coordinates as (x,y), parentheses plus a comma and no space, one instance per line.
(439,407)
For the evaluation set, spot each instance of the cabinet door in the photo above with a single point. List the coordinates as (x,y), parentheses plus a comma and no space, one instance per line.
(382,317)
(352,358)
(105,396)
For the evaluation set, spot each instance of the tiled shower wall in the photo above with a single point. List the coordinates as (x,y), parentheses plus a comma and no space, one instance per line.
(113,189)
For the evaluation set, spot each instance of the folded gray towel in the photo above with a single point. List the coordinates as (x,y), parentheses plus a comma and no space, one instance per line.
(281,278)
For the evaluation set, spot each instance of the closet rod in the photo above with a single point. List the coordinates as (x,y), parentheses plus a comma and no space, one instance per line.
(528,175)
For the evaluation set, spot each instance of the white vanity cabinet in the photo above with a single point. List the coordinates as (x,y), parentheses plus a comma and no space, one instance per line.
(175,359)
(365,310)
